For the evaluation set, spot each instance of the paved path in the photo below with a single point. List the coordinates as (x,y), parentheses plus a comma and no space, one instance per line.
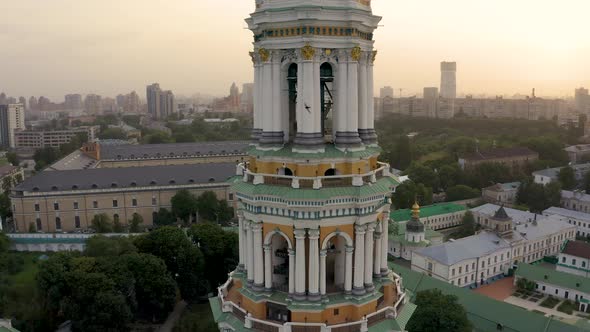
(536,306)
(173,317)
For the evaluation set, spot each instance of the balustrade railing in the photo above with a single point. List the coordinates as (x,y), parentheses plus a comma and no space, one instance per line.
(316,182)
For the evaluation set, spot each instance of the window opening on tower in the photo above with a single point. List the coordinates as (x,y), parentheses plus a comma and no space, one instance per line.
(292,80)
(327,99)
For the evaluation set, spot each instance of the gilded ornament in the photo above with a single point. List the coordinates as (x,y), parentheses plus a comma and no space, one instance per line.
(253,56)
(307,52)
(374,56)
(264,54)
(356,53)
(328,52)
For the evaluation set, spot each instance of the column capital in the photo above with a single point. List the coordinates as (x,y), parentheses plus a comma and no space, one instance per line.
(323,253)
(246,224)
(267,247)
(371,227)
(299,234)
(291,252)
(313,234)
(256,227)
(377,235)
(360,229)
(349,249)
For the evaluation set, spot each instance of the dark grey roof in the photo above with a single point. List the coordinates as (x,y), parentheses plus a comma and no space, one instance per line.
(174,150)
(415,225)
(501,214)
(104,178)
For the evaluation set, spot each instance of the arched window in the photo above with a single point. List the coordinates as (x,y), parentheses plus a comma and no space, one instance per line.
(57,223)
(285,171)
(326,97)
(115,218)
(292,85)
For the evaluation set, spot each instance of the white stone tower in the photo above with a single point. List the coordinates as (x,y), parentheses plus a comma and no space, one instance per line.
(448,80)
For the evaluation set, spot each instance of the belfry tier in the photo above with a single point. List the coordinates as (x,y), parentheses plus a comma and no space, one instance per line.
(313,74)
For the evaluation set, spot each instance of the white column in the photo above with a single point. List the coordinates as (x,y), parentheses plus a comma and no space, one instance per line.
(377,258)
(299,264)
(369,241)
(353,96)
(267,98)
(362,93)
(317,103)
(268,267)
(257,94)
(314,265)
(384,244)
(291,272)
(359,259)
(370,98)
(241,241)
(277,117)
(250,247)
(348,270)
(258,258)
(323,255)
(340,113)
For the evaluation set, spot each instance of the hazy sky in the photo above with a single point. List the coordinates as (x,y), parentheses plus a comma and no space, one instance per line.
(53,47)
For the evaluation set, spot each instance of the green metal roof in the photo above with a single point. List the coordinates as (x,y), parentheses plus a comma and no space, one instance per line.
(215,305)
(382,186)
(330,153)
(428,232)
(405,314)
(566,280)
(427,211)
(8,329)
(485,313)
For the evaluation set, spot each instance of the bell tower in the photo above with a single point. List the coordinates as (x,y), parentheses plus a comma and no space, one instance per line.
(313,198)
(313,74)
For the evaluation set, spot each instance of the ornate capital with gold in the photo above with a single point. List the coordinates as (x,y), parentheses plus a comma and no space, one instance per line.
(373,57)
(307,52)
(264,54)
(356,53)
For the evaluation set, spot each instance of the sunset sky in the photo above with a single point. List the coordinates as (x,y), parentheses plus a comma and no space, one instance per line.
(54,47)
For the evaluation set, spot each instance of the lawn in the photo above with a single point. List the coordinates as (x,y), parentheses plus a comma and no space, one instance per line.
(196,317)
(550,302)
(3,161)
(567,307)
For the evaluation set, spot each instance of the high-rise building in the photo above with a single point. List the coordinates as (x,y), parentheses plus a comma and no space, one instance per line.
(121,100)
(132,103)
(161,104)
(247,98)
(73,102)
(448,81)
(153,100)
(582,100)
(386,91)
(3,99)
(431,102)
(313,201)
(93,104)
(33,103)
(23,101)
(12,118)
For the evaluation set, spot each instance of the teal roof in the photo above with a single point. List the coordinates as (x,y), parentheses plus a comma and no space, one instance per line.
(427,211)
(382,186)
(330,153)
(483,312)
(566,280)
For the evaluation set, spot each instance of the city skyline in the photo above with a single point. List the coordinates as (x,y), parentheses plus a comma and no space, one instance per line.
(130,44)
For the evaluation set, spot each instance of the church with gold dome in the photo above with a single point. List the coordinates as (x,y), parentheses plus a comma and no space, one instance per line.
(313,198)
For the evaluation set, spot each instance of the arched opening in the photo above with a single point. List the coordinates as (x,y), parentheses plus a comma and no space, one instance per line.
(331,172)
(285,171)
(292,86)
(280,263)
(116,218)
(335,264)
(326,97)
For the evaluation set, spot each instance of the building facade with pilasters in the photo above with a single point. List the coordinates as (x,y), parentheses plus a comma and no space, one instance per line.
(313,199)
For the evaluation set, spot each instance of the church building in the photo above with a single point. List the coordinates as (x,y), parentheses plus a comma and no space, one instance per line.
(313,198)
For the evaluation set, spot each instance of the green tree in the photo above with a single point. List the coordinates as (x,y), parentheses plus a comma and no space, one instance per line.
(438,312)
(113,133)
(420,173)
(208,206)
(468,226)
(5,210)
(4,243)
(118,226)
(461,192)
(12,158)
(135,223)
(219,250)
(183,259)
(32,227)
(407,192)
(567,178)
(101,246)
(7,184)
(402,155)
(587,182)
(164,218)
(184,205)
(449,175)
(102,223)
